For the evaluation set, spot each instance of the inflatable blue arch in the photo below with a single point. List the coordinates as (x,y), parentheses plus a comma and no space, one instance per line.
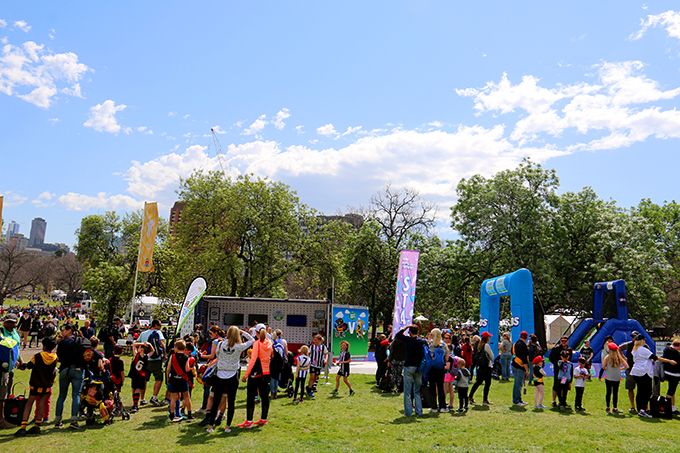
(520,287)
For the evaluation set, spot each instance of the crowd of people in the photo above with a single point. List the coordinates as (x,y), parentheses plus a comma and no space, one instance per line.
(447,364)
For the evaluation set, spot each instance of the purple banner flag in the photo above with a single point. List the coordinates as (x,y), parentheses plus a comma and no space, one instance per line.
(406,289)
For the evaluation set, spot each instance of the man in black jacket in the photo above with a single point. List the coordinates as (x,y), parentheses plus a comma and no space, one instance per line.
(555,354)
(412,378)
(520,368)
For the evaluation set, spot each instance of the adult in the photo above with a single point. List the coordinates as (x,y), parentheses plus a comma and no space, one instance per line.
(36,325)
(225,382)
(257,375)
(535,349)
(8,330)
(474,342)
(110,336)
(24,328)
(587,353)
(483,359)
(381,359)
(520,368)
(436,376)
(466,351)
(627,348)
(643,370)
(215,336)
(605,352)
(396,363)
(71,372)
(155,337)
(612,364)
(319,355)
(280,347)
(412,378)
(672,372)
(87,330)
(506,357)
(555,356)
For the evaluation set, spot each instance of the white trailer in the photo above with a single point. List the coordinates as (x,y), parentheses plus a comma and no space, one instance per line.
(298,319)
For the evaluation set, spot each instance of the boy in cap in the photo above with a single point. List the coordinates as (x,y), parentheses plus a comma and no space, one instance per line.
(44,366)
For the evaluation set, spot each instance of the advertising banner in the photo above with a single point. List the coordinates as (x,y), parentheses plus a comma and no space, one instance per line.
(148,238)
(194,294)
(406,290)
(350,324)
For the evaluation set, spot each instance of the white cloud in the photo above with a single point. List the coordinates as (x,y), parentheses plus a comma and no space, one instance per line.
(11,199)
(256,127)
(145,130)
(299,129)
(52,33)
(172,114)
(3,23)
(185,117)
(43,199)
(218,130)
(31,67)
(80,202)
(103,117)
(278,119)
(22,25)
(53,120)
(328,130)
(435,124)
(351,130)
(670,20)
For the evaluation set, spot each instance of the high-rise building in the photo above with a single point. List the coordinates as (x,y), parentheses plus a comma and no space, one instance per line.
(176,216)
(12,229)
(38,228)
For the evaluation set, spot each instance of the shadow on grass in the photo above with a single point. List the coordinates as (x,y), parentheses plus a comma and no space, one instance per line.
(404,420)
(480,408)
(156,422)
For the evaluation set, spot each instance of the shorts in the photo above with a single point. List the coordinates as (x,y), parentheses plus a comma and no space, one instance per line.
(448,377)
(630,381)
(40,391)
(6,380)
(139,384)
(343,373)
(155,368)
(315,370)
(178,386)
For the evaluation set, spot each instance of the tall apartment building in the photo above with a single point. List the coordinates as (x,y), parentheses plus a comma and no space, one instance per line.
(12,229)
(38,228)
(176,216)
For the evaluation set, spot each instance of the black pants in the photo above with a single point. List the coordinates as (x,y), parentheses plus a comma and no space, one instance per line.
(483,375)
(644,391)
(612,392)
(300,385)
(562,391)
(462,397)
(260,384)
(219,388)
(380,372)
(672,385)
(579,396)
(436,385)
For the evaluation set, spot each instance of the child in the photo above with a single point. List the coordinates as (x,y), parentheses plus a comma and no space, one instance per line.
(450,376)
(462,384)
(190,352)
(580,375)
(44,366)
(302,363)
(539,374)
(343,363)
(612,363)
(117,368)
(178,381)
(564,377)
(138,372)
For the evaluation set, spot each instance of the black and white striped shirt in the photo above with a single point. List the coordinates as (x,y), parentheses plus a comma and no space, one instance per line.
(317,354)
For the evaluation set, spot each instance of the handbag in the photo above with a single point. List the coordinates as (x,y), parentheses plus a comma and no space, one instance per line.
(15,405)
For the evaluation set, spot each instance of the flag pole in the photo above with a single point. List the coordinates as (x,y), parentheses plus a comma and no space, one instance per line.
(139,254)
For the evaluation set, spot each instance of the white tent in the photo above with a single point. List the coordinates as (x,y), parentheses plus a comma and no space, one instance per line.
(558,325)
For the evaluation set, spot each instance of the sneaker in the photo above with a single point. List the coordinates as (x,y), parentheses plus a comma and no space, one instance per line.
(632,410)
(644,414)
(74,425)
(204,422)
(210,430)
(434,409)
(540,406)
(143,402)
(676,412)
(58,424)
(190,418)
(461,410)
(155,401)
(554,404)
(352,393)
(245,424)
(20,433)
(34,430)
(260,422)
(562,408)
(617,411)
(227,429)
(301,400)
(466,408)
(165,402)
(334,392)
(519,404)
(200,411)
(444,410)
(218,420)
(134,409)
(488,403)
(609,410)
(472,401)
(176,419)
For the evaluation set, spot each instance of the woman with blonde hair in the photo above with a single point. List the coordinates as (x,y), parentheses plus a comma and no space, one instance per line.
(225,382)
(257,376)
(612,364)
(436,375)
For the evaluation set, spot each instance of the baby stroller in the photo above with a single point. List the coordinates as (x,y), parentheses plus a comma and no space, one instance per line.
(99,392)
(287,380)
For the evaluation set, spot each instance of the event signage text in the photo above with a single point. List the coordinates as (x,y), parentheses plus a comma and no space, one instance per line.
(406,289)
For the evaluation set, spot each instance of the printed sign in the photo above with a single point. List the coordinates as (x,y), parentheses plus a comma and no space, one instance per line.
(406,290)
(350,323)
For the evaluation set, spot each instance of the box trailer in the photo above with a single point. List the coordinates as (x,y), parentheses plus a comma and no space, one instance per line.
(298,319)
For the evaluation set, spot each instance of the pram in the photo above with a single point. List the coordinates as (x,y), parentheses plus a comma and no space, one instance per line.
(99,392)
(287,380)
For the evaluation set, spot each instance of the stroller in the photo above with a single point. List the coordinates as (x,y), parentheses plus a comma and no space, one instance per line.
(287,379)
(99,392)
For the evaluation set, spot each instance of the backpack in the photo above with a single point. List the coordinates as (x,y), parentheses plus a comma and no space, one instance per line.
(453,370)
(480,359)
(386,383)
(276,364)
(426,363)
(9,353)
(439,358)
(82,351)
(155,341)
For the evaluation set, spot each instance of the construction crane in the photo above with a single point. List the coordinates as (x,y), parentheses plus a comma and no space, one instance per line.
(220,155)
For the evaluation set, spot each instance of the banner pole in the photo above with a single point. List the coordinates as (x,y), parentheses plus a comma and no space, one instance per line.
(139,254)
(329,331)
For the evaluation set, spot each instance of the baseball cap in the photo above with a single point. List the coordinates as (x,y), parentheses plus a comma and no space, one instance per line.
(634,333)
(538,359)
(524,334)
(385,342)
(486,335)
(260,327)
(10,317)
(612,346)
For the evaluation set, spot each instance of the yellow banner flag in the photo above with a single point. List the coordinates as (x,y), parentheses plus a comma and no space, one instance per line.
(1,198)
(148,238)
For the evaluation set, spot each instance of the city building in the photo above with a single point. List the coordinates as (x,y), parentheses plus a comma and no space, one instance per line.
(38,228)
(12,229)
(18,241)
(176,216)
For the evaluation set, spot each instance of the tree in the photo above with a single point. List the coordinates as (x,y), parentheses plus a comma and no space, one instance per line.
(68,275)
(15,273)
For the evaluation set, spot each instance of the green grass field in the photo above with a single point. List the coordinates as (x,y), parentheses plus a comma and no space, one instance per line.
(370,421)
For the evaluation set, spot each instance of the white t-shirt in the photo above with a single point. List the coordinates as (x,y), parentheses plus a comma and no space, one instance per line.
(579,378)
(643,365)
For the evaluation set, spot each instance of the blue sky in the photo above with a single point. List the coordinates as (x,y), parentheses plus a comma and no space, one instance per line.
(105,106)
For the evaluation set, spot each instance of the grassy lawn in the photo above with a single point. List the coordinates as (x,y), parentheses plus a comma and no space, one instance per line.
(371,421)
